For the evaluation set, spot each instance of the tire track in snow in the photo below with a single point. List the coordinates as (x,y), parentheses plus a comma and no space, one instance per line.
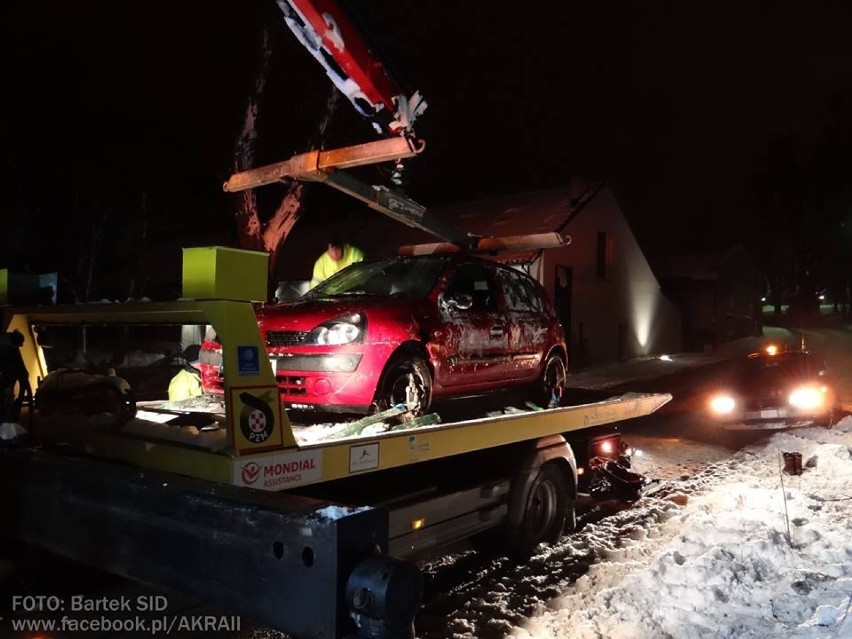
(481,596)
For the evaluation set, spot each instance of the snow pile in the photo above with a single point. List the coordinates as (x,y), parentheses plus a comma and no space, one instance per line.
(335,512)
(307,434)
(214,439)
(11,430)
(737,560)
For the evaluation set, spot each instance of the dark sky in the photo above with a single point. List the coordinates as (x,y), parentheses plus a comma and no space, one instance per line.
(714,123)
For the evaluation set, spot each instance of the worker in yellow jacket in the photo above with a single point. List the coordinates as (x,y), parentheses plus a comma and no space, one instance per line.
(187,382)
(339,255)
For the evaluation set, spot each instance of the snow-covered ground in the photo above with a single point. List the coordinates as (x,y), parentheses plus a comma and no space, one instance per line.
(738,550)
(751,553)
(724,546)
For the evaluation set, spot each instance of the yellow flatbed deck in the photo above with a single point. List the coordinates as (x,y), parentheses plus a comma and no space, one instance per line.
(249,439)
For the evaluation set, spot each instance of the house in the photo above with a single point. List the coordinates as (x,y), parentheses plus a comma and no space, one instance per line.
(607,297)
(718,294)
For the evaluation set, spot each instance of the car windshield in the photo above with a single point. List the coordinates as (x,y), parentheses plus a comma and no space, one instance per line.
(399,276)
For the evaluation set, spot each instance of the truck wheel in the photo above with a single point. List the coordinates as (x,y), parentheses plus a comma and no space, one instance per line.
(406,380)
(547,509)
(552,379)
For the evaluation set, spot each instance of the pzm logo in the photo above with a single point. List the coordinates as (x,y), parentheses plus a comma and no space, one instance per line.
(256,418)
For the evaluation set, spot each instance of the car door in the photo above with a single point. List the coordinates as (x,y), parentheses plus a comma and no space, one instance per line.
(526,324)
(475,339)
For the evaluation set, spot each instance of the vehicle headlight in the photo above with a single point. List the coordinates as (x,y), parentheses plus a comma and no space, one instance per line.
(345,329)
(722,404)
(807,397)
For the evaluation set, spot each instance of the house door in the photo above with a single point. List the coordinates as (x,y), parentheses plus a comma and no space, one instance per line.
(562,302)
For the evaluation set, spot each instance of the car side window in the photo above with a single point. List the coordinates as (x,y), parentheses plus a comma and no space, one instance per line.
(477,281)
(519,291)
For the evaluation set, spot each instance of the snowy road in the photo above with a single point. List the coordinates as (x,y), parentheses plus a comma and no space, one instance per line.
(723,546)
(477,595)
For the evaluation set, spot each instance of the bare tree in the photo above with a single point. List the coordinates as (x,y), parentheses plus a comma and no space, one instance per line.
(290,208)
(253,233)
(248,221)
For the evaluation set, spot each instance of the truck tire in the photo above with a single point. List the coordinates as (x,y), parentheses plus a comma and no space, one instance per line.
(553,377)
(547,510)
(401,373)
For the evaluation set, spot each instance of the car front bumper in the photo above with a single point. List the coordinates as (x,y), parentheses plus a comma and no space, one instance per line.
(773,419)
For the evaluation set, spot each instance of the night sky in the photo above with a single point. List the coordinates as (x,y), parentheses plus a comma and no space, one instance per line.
(714,123)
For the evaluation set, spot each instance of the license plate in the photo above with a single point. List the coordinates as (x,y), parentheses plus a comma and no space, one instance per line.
(766,414)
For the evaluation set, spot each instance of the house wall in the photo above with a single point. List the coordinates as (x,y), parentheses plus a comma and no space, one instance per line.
(618,316)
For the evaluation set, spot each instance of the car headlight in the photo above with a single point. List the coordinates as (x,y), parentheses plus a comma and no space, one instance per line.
(722,404)
(807,397)
(345,329)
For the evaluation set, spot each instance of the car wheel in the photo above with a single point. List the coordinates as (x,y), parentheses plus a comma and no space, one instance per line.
(406,380)
(547,510)
(551,381)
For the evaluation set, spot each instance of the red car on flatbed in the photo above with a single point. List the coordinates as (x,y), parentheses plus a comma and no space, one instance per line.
(407,330)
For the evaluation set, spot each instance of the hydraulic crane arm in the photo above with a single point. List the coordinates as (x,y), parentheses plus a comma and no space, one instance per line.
(330,36)
(324,166)
(324,29)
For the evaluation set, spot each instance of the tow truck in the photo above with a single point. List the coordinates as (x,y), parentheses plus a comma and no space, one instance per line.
(309,532)
(242,509)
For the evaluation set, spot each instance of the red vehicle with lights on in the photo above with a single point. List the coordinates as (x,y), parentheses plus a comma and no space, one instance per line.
(776,389)
(407,330)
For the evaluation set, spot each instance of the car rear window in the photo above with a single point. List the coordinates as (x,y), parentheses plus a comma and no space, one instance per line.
(519,291)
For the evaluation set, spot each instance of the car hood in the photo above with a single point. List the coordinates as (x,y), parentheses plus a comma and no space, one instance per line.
(776,393)
(305,315)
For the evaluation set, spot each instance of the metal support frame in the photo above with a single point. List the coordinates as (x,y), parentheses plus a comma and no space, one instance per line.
(326,167)
(304,166)
(394,205)
(532,241)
